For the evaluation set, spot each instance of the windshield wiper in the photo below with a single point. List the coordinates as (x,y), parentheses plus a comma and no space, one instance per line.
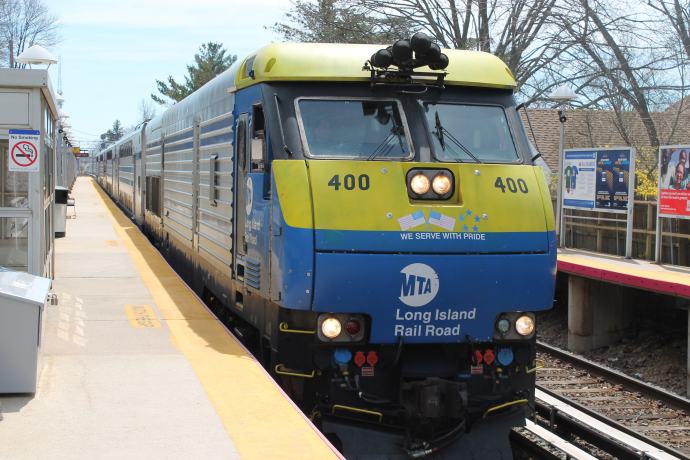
(384,146)
(441,131)
(280,125)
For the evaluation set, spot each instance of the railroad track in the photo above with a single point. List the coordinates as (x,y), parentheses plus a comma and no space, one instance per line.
(536,442)
(657,418)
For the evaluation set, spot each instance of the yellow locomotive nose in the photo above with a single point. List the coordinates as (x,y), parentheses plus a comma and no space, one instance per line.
(368,206)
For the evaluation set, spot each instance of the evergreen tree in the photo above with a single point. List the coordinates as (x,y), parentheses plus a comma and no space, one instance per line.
(113,134)
(208,62)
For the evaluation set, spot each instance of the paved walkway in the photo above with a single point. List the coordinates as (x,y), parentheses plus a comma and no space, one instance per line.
(135,367)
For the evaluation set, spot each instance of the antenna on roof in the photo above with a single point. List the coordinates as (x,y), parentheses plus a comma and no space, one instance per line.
(408,55)
(59,88)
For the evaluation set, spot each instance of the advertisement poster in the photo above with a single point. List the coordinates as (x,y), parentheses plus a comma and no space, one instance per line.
(674,181)
(613,179)
(597,179)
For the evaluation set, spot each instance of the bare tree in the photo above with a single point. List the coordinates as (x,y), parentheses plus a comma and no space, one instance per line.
(339,21)
(517,31)
(678,15)
(3,44)
(147,110)
(24,23)
(617,62)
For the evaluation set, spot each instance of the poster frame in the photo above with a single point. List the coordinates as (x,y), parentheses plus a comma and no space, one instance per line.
(631,195)
(658,187)
(631,183)
(659,216)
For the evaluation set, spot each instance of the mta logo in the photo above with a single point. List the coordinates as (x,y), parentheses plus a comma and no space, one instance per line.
(419,285)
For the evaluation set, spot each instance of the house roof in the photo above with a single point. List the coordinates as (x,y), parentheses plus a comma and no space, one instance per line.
(601,128)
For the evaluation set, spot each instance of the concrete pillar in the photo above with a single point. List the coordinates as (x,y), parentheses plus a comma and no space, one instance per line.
(598,313)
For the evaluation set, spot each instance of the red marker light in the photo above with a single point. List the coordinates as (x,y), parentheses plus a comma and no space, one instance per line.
(489,356)
(360,359)
(353,327)
(478,358)
(372,358)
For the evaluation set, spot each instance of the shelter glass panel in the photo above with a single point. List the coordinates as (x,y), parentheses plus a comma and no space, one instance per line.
(14,243)
(48,176)
(14,186)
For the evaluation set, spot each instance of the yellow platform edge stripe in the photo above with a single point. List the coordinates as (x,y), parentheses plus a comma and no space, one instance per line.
(258,416)
(649,270)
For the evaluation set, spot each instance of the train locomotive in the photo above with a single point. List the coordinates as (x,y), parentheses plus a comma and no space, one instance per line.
(371,218)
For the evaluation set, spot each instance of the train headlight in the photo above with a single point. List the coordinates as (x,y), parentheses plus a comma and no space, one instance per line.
(340,327)
(331,328)
(524,325)
(419,184)
(430,184)
(441,184)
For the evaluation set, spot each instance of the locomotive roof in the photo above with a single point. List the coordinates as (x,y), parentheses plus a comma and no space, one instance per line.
(343,62)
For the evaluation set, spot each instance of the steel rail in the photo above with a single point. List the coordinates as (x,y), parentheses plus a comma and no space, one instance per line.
(529,446)
(555,443)
(672,399)
(601,431)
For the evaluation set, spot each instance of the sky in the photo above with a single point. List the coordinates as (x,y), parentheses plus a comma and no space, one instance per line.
(112,52)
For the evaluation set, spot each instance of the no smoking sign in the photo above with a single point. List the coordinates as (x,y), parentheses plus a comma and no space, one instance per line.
(24,150)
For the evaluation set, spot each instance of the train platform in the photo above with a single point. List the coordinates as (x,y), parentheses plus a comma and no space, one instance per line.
(639,274)
(134,366)
(607,293)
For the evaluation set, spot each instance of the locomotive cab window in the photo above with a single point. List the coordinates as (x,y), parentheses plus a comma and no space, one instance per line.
(470,133)
(353,129)
(258,161)
(242,143)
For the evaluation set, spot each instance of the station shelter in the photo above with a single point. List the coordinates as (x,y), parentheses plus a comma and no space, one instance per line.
(28,118)
(66,164)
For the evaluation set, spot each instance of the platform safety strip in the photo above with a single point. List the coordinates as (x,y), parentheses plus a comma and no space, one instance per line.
(260,419)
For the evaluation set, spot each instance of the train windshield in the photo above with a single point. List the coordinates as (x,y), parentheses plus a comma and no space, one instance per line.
(353,129)
(470,133)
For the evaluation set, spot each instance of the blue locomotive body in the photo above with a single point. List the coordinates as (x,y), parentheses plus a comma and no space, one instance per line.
(383,250)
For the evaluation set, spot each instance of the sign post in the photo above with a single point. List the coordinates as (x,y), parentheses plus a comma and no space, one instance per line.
(601,180)
(674,188)
(24,150)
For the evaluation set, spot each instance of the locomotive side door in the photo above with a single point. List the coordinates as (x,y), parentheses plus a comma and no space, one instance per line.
(241,169)
(135,177)
(116,173)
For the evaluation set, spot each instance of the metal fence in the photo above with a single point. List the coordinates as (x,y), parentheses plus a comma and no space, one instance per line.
(605,233)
